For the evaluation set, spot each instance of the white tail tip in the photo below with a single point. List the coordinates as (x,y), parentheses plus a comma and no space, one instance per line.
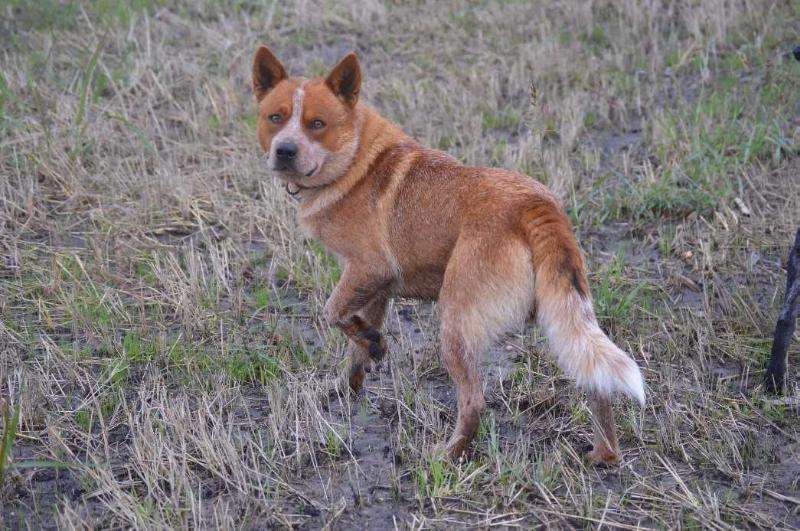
(614,371)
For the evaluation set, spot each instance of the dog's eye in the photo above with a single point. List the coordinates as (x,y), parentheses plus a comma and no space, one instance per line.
(317,124)
(275,118)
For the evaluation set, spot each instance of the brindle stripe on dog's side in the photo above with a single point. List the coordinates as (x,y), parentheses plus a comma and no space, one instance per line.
(385,170)
(391,169)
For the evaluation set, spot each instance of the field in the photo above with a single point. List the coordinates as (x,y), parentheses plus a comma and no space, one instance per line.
(163,360)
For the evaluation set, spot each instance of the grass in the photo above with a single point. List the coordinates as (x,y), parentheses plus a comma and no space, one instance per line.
(163,363)
(10,423)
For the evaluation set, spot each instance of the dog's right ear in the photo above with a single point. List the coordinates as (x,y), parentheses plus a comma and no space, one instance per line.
(268,71)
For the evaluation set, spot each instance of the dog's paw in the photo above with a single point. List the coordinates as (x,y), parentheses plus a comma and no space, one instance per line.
(454,451)
(377,351)
(456,448)
(602,457)
(377,345)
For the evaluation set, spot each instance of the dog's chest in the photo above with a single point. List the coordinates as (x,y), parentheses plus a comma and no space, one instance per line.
(312,226)
(345,237)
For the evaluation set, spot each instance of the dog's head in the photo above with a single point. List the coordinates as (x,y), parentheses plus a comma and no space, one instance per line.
(307,127)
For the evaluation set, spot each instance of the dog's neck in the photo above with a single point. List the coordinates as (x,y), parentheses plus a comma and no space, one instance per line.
(375,134)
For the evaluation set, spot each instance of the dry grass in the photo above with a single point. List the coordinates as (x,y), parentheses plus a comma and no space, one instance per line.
(159,310)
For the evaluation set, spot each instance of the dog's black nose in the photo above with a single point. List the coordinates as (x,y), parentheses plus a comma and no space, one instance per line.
(286,151)
(796,53)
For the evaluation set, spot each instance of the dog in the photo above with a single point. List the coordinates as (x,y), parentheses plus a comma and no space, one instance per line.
(492,246)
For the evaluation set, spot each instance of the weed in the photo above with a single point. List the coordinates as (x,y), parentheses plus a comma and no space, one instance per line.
(9,435)
(434,481)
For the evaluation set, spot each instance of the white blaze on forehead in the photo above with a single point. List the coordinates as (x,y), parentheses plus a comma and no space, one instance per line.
(294,128)
(294,124)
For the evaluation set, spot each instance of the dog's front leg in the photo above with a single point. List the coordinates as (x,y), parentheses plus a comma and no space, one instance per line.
(359,358)
(356,290)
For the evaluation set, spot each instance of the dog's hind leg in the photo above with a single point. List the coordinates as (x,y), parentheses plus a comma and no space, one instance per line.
(606,446)
(487,288)
(461,362)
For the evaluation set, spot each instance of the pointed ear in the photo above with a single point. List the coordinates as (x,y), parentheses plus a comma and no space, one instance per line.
(268,71)
(345,79)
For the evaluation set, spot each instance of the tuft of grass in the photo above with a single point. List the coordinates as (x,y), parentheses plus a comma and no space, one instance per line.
(262,297)
(509,119)
(83,91)
(9,435)
(614,296)
(435,480)
(248,366)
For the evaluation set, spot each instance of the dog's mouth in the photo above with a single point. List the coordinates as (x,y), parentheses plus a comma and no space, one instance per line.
(313,171)
(294,188)
(291,170)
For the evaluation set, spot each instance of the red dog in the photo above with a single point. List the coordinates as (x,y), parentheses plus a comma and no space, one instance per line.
(492,246)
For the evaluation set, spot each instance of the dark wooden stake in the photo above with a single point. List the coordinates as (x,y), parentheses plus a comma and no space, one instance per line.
(776,370)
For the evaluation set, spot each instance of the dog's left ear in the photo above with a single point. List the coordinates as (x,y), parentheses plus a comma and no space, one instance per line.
(345,79)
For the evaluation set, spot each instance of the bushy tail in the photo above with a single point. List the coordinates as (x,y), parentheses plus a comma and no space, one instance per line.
(564,311)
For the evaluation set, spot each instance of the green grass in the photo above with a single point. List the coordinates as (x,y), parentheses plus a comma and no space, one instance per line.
(135,350)
(83,418)
(615,296)
(54,16)
(9,435)
(262,297)
(250,366)
(435,480)
(508,119)
(701,147)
